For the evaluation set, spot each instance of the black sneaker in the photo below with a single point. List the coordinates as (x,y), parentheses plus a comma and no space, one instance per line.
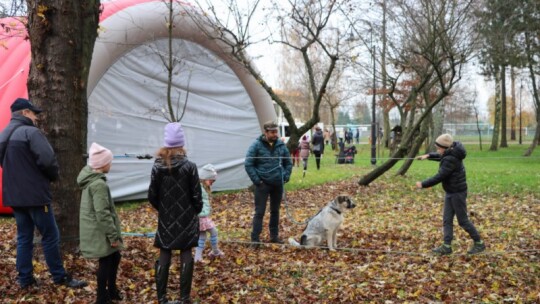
(33,283)
(68,281)
(477,248)
(115,295)
(276,240)
(255,244)
(442,250)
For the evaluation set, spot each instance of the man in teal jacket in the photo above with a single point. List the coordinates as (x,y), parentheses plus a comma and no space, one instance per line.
(269,166)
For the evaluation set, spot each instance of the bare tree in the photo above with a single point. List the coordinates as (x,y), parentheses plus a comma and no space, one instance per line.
(529,40)
(173,65)
(308,20)
(62,36)
(14,8)
(434,41)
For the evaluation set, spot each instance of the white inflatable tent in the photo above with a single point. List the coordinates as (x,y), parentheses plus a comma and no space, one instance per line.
(127,95)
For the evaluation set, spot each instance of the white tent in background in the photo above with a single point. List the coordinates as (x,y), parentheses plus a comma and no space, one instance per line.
(127,94)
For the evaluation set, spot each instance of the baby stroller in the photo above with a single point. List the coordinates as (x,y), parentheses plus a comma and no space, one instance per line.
(346,155)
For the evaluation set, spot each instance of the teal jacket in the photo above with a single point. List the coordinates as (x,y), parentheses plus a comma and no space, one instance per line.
(206,208)
(269,164)
(99,223)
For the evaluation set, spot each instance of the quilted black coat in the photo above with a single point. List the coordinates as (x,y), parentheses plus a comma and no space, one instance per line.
(451,169)
(175,193)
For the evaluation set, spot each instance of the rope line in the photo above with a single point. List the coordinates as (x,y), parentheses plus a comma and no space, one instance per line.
(349,249)
(352,249)
(414,158)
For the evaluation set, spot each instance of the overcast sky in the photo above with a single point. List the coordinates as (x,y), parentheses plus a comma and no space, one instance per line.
(267,61)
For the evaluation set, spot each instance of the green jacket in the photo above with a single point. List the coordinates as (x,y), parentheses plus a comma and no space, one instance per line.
(99,223)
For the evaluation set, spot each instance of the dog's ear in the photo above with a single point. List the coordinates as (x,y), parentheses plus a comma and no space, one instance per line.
(342,198)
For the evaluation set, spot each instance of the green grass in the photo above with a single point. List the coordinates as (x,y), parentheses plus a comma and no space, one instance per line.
(503,171)
(130,205)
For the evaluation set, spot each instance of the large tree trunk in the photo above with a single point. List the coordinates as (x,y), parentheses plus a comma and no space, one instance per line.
(62,36)
(380,170)
(536,138)
(415,147)
(504,142)
(384,76)
(437,119)
(497,113)
(536,97)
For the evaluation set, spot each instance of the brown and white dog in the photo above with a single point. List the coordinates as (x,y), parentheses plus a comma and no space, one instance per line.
(325,224)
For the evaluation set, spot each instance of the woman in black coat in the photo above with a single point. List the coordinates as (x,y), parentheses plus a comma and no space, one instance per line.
(175,193)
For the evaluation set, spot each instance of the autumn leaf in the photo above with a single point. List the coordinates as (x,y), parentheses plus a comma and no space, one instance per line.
(383,253)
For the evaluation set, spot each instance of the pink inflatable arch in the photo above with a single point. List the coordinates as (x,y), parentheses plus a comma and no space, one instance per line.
(15,57)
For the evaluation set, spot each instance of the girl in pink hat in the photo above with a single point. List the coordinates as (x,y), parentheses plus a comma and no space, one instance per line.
(99,229)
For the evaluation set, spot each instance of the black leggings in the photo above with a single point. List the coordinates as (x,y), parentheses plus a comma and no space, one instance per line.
(317,158)
(107,270)
(165,256)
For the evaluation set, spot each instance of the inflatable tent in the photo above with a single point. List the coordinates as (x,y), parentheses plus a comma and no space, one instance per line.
(223,106)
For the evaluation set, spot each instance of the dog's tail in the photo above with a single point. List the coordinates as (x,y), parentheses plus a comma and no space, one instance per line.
(294,243)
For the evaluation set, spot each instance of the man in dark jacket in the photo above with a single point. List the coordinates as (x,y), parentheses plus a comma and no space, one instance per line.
(28,166)
(268,164)
(451,173)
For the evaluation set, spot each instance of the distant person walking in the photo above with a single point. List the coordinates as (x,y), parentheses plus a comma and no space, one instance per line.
(327,137)
(451,174)
(175,192)
(318,146)
(304,152)
(99,229)
(29,165)
(269,166)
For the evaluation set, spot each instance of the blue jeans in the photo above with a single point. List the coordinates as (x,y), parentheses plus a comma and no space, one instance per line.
(41,217)
(455,204)
(262,192)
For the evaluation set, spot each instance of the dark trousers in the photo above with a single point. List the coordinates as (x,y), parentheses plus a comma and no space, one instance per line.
(107,271)
(317,158)
(42,218)
(262,192)
(456,204)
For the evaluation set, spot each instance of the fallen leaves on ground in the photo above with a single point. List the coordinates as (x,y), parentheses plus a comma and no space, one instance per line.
(384,254)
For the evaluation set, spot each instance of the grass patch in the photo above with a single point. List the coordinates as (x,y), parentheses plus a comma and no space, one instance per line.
(503,171)
(130,205)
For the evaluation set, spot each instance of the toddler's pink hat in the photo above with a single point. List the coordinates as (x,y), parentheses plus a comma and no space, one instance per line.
(99,156)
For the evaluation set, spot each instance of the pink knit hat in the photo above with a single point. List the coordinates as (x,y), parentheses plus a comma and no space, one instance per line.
(99,156)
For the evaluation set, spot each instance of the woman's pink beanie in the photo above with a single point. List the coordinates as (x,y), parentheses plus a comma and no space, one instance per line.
(99,156)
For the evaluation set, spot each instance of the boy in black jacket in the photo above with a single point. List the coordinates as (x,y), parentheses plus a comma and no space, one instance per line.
(451,173)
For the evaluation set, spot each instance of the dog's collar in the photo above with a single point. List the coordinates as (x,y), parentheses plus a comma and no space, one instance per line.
(336,210)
